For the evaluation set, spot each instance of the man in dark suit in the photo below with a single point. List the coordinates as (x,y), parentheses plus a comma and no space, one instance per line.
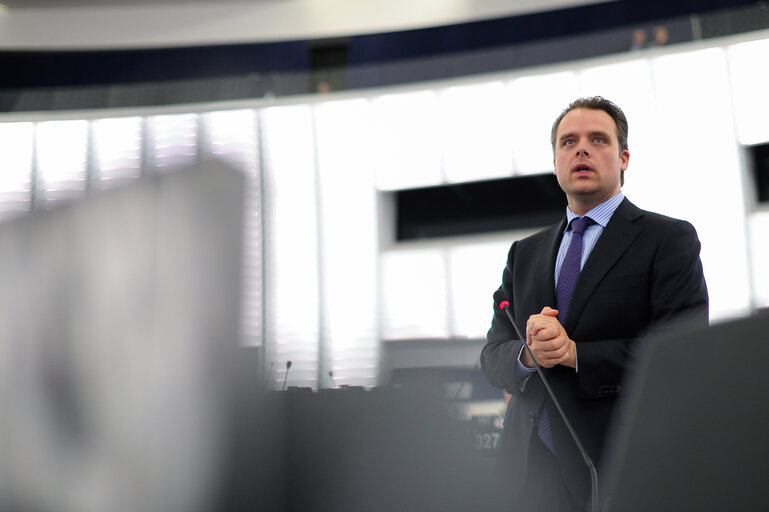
(629,273)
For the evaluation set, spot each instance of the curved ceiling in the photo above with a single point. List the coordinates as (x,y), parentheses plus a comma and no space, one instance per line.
(119,24)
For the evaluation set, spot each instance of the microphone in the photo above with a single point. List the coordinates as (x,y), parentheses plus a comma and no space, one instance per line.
(468,376)
(285,376)
(268,374)
(504,304)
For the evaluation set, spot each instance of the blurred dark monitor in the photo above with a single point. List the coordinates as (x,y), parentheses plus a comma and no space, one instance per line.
(693,434)
(759,160)
(504,204)
(453,383)
(349,450)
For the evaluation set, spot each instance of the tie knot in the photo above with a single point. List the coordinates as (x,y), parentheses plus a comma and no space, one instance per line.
(580,224)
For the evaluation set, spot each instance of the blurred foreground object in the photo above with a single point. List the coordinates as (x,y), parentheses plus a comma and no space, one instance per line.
(693,434)
(123,388)
(115,313)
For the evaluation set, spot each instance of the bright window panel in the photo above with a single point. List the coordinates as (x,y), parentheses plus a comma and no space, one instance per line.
(117,150)
(408,153)
(747,67)
(16,149)
(477,132)
(475,274)
(62,150)
(173,141)
(349,268)
(697,173)
(759,245)
(536,103)
(231,136)
(292,305)
(414,300)
(626,83)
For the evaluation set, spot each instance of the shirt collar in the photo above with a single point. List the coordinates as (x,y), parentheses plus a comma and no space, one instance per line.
(601,214)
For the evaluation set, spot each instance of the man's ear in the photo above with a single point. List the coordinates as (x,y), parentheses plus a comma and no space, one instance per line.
(624,159)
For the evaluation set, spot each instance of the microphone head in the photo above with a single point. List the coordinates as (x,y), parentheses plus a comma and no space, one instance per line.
(288,365)
(500,296)
(504,304)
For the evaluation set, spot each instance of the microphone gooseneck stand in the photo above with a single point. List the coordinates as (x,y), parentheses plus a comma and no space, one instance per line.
(505,305)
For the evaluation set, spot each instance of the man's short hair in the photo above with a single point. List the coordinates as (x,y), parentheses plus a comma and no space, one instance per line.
(596,103)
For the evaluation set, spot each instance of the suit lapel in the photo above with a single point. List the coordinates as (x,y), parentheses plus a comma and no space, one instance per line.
(545,273)
(615,240)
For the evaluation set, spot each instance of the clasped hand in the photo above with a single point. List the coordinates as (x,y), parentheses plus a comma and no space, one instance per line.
(548,341)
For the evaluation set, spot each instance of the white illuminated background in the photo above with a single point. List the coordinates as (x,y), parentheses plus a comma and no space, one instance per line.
(292,299)
(408,149)
(749,98)
(474,123)
(348,245)
(326,282)
(759,228)
(16,155)
(414,295)
(117,150)
(174,141)
(61,156)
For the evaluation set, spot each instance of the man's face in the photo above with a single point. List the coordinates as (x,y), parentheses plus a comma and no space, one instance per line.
(588,159)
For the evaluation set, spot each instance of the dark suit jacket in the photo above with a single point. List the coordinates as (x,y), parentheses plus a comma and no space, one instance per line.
(644,275)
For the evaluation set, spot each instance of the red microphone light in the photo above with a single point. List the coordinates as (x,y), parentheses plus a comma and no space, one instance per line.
(503,304)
